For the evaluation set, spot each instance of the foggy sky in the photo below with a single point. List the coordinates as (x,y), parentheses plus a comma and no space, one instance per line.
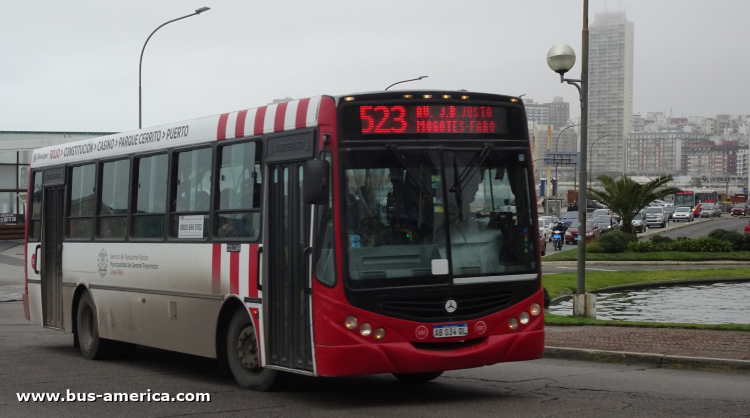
(73,65)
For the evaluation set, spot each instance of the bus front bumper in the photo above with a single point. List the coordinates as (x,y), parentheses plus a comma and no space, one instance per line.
(406,357)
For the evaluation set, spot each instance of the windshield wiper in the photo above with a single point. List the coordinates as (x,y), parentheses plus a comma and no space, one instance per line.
(471,168)
(414,178)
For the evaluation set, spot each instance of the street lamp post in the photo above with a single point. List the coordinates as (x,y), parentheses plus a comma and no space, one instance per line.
(561,59)
(406,81)
(591,151)
(140,63)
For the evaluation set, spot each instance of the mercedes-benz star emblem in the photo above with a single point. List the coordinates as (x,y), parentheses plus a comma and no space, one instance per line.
(451,306)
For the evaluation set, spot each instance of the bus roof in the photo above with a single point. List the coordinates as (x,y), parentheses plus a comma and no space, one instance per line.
(296,114)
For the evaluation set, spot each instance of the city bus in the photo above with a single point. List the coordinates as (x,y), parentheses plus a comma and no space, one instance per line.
(385,232)
(692,197)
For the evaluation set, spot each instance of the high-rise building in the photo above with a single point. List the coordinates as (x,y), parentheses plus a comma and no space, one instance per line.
(559,112)
(610,96)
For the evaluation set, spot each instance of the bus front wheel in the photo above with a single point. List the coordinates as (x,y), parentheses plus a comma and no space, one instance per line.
(92,346)
(417,377)
(243,355)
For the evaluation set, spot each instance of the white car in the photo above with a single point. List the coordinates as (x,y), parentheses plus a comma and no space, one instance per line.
(545,227)
(683,213)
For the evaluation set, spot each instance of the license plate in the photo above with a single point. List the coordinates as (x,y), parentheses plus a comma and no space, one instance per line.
(450,330)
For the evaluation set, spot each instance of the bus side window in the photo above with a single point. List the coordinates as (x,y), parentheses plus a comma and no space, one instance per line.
(150,197)
(35,218)
(113,204)
(81,202)
(240,180)
(192,194)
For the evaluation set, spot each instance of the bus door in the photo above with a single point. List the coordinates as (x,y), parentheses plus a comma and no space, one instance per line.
(286,288)
(53,221)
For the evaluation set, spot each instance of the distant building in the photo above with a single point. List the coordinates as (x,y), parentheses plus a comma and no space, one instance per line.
(536,112)
(660,153)
(610,92)
(717,161)
(559,112)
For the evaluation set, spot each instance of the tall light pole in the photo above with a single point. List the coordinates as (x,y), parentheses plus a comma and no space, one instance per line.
(406,81)
(591,151)
(140,63)
(561,59)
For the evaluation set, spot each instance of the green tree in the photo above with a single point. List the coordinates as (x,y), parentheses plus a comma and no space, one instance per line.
(627,197)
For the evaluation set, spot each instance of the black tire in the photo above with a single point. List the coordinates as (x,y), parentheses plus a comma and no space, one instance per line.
(92,346)
(241,338)
(416,378)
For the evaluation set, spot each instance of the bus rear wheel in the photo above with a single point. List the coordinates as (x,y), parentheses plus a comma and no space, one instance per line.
(243,355)
(92,346)
(414,378)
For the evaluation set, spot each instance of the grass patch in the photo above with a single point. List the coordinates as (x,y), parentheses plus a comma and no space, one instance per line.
(565,283)
(571,255)
(552,319)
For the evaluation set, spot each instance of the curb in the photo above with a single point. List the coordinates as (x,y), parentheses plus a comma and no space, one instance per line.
(648,285)
(647,359)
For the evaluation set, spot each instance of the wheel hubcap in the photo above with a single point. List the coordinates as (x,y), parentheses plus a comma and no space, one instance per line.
(247,349)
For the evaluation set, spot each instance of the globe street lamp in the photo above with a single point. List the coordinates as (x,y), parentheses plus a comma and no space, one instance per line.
(561,59)
(140,63)
(406,81)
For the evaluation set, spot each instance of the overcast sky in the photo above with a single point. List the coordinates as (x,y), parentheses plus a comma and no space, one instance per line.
(73,65)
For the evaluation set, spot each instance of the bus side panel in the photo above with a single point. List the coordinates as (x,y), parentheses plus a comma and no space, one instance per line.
(156,294)
(35,303)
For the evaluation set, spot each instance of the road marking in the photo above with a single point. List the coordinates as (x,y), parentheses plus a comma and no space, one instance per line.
(587,268)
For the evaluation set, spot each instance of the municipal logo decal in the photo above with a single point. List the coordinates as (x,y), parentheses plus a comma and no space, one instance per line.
(103,263)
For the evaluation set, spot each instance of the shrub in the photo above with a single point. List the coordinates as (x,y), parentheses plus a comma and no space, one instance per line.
(659,239)
(735,238)
(641,247)
(746,246)
(594,248)
(613,243)
(703,245)
(681,238)
(717,233)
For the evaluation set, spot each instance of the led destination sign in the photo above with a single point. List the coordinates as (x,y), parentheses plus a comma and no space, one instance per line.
(427,119)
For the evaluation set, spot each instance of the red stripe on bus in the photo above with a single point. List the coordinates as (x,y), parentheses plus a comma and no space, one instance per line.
(260,118)
(239,127)
(278,124)
(221,131)
(234,273)
(301,121)
(252,272)
(216,270)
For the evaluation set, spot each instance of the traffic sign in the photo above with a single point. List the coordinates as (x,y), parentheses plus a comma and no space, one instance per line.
(562,158)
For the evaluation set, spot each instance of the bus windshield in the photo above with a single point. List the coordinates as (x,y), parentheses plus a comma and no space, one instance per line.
(684,200)
(427,217)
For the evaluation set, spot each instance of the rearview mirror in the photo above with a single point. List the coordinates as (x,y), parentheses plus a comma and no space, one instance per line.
(315,184)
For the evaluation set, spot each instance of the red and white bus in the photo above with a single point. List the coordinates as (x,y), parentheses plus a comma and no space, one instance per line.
(221,237)
(692,197)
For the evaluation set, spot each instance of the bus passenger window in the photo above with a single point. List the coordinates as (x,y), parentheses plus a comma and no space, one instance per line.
(81,202)
(113,205)
(151,197)
(35,224)
(192,194)
(240,179)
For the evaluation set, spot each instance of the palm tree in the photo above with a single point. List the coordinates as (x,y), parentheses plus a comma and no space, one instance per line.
(627,197)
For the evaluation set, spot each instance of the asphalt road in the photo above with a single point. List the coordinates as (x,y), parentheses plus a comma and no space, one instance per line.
(37,360)
(701,229)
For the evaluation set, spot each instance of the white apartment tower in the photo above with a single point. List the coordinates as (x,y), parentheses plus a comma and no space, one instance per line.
(610,91)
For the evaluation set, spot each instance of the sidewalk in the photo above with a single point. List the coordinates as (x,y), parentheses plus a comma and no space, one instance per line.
(665,347)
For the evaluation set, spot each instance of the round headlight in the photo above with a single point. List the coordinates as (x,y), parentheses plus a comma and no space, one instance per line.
(524,317)
(365,329)
(513,324)
(379,333)
(350,322)
(535,309)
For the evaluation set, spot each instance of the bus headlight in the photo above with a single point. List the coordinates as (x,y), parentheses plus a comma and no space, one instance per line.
(535,309)
(524,317)
(365,329)
(379,333)
(350,322)
(513,324)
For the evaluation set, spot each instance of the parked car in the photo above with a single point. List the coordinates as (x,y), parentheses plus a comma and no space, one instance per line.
(568,218)
(551,219)
(710,210)
(592,231)
(606,223)
(747,228)
(600,212)
(655,216)
(542,244)
(683,213)
(639,222)
(658,202)
(740,209)
(546,229)
(670,211)
(724,207)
